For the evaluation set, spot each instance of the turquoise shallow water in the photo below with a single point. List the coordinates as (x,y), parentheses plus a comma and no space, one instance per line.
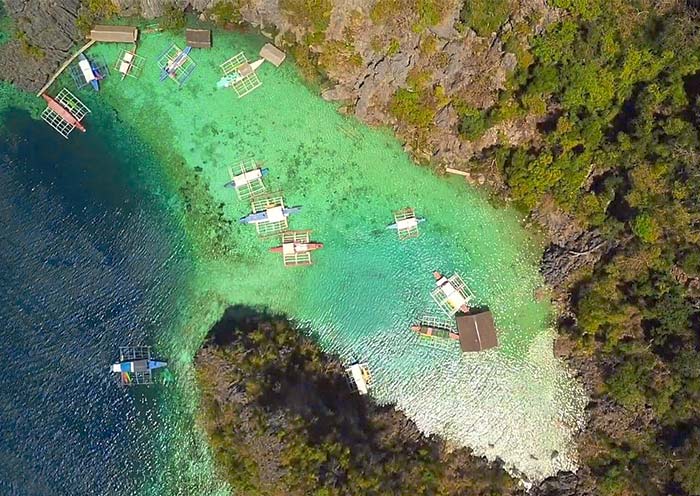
(365,289)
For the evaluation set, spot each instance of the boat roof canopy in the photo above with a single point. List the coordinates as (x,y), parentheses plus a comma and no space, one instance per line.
(198,38)
(118,34)
(476,331)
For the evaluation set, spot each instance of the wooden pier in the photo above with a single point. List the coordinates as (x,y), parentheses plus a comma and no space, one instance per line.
(458,172)
(63,67)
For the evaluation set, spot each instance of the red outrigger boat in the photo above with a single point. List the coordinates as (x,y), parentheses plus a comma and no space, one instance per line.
(63,112)
(296,248)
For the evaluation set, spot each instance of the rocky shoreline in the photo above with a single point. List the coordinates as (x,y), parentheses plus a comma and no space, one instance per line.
(365,87)
(272,397)
(469,67)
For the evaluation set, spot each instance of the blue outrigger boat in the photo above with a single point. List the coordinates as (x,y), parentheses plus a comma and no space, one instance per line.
(90,71)
(263,216)
(172,67)
(135,365)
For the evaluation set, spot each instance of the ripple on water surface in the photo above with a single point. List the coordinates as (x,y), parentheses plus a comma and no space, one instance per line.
(88,264)
(366,288)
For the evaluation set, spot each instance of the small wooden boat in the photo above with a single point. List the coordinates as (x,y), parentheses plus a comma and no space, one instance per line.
(434,331)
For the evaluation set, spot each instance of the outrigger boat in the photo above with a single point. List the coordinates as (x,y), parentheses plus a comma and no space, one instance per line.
(451,294)
(404,224)
(71,121)
(90,71)
(242,71)
(273,214)
(135,365)
(245,178)
(171,68)
(433,331)
(359,377)
(296,247)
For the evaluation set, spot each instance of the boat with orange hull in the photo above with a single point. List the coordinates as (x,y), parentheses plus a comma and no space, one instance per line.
(63,112)
(298,247)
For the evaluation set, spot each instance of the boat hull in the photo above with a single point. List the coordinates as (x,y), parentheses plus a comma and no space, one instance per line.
(262,216)
(231,184)
(63,112)
(172,67)
(434,332)
(438,277)
(395,226)
(309,247)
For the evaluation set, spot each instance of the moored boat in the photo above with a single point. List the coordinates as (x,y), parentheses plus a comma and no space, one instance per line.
(241,72)
(62,112)
(173,65)
(296,247)
(244,178)
(135,365)
(273,214)
(434,331)
(453,296)
(90,71)
(405,223)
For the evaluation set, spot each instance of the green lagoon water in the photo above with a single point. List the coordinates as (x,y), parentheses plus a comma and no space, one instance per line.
(365,288)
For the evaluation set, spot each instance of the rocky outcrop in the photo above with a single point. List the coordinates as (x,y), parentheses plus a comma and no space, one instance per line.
(366,61)
(560,261)
(282,420)
(566,484)
(572,247)
(45,34)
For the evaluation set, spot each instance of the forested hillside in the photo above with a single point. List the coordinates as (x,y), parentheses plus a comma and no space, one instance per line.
(584,114)
(618,149)
(283,420)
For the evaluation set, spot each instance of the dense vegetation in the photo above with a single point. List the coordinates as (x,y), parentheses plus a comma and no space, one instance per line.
(619,151)
(93,11)
(283,420)
(615,85)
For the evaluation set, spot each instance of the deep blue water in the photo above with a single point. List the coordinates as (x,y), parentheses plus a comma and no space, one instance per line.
(89,260)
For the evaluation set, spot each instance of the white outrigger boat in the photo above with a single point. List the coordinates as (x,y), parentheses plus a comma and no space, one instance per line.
(406,223)
(238,181)
(451,294)
(359,377)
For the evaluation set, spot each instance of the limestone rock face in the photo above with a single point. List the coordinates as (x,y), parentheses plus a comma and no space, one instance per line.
(366,60)
(48,33)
